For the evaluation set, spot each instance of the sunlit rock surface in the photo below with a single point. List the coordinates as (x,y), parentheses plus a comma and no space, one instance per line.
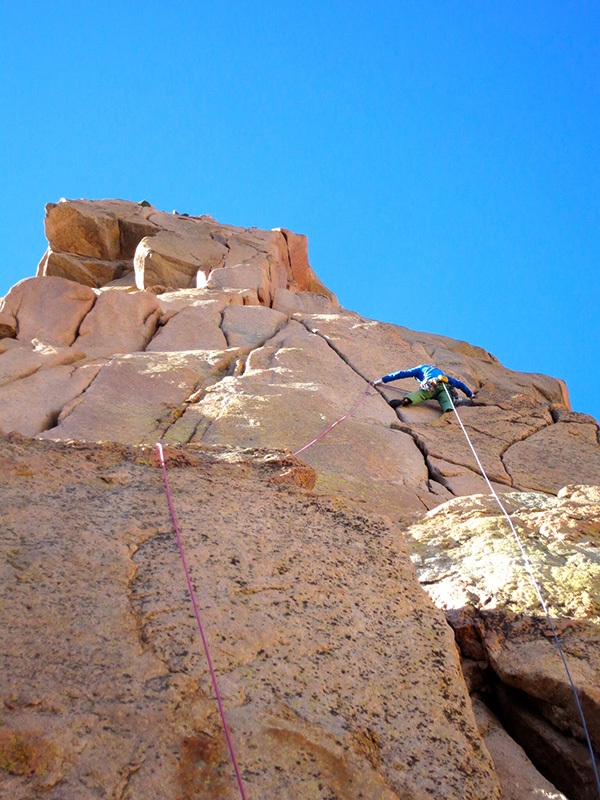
(472,567)
(340,674)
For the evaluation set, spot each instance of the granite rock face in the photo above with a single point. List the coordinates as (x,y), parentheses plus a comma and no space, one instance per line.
(48,310)
(96,242)
(339,676)
(340,673)
(471,566)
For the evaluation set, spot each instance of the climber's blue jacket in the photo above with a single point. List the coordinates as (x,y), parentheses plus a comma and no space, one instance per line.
(424,374)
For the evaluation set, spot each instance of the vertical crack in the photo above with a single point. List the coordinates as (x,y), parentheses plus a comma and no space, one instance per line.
(233,364)
(72,404)
(432,476)
(221,327)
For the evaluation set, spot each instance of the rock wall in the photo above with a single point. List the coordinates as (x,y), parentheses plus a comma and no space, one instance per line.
(341,675)
(470,565)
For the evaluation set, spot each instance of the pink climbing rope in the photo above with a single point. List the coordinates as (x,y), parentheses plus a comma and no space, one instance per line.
(199,621)
(363,397)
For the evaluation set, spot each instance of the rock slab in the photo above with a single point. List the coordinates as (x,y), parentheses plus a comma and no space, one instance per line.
(338,675)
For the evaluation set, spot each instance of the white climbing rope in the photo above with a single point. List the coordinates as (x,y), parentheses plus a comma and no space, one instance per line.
(529,568)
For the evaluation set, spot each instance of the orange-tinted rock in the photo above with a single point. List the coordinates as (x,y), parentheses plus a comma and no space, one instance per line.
(83,228)
(108,230)
(48,308)
(338,676)
(120,322)
(173,260)
(88,271)
(302,276)
(92,242)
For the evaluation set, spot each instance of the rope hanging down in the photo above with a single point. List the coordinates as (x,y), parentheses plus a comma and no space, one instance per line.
(538,592)
(363,397)
(198,620)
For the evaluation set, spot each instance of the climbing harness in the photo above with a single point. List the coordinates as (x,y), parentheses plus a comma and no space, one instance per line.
(437,384)
(363,397)
(433,383)
(529,568)
(199,621)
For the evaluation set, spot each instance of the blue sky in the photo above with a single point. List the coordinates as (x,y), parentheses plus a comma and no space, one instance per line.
(442,157)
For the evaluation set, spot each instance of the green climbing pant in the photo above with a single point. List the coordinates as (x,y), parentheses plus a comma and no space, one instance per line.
(436,393)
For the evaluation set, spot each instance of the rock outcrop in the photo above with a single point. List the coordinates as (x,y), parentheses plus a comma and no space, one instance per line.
(470,564)
(96,243)
(339,672)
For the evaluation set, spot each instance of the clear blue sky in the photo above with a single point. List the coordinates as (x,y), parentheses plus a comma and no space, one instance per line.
(442,157)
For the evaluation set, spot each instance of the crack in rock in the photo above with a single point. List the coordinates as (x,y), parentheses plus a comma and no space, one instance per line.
(420,445)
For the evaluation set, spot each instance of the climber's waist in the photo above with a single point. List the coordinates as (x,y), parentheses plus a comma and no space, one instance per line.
(433,382)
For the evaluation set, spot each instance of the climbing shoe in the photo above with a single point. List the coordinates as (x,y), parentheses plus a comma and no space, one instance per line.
(397,403)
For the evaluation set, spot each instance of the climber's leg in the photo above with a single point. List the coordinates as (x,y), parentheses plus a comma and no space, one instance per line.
(413,399)
(443,399)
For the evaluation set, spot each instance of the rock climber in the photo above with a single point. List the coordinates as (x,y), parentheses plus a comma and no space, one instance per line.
(432,381)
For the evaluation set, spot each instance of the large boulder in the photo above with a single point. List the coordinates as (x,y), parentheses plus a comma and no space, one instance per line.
(120,322)
(89,271)
(83,228)
(49,308)
(174,259)
(108,230)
